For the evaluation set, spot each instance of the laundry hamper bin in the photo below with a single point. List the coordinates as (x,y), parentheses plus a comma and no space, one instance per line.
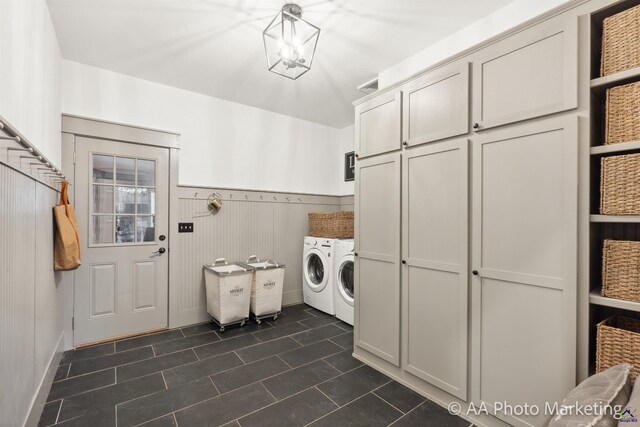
(228,287)
(266,288)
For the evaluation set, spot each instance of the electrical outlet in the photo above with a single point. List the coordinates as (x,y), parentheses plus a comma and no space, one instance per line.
(185,227)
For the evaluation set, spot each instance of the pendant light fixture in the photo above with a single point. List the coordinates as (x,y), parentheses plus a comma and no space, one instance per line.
(290,42)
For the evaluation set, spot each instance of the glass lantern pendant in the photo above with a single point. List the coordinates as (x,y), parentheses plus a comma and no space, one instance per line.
(290,42)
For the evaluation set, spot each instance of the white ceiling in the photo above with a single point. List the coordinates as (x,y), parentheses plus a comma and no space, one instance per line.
(214,47)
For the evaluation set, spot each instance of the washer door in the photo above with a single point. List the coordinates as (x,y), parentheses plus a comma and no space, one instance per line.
(345,280)
(316,272)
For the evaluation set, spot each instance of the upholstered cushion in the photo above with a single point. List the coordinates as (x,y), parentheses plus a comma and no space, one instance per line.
(631,413)
(607,388)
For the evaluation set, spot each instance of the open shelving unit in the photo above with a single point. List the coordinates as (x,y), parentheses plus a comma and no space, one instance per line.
(619,227)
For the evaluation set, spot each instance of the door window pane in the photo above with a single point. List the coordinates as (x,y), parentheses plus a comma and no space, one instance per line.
(146,201)
(145,229)
(125,171)
(102,229)
(102,169)
(125,231)
(146,172)
(102,199)
(125,200)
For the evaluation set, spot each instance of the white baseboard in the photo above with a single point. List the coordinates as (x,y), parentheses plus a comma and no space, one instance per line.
(40,398)
(292,297)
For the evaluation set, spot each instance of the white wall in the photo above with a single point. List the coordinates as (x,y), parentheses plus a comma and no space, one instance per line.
(224,144)
(30,73)
(499,21)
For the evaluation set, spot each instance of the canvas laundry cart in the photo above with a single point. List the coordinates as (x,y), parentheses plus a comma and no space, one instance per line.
(266,288)
(228,287)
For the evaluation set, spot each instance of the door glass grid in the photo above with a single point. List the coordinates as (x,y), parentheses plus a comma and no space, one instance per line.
(123,200)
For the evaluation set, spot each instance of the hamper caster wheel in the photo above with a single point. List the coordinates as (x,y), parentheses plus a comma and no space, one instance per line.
(222,329)
(242,323)
(258,321)
(275,317)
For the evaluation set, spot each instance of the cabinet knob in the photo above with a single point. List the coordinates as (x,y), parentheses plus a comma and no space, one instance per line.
(476,126)
(355,254)
(357,156)
(404,261)
(475,272)
(405,143)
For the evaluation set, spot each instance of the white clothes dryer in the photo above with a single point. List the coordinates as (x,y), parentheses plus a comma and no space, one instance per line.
(317,273)
(344,282)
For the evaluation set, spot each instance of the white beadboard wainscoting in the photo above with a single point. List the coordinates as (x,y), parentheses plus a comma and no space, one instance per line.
(258,223)
(31,300)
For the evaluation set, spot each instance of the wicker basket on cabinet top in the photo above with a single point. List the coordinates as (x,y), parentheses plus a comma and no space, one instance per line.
(621,270)
(620,185)
(620,42)
(618,341)
(622,117)
(335,225)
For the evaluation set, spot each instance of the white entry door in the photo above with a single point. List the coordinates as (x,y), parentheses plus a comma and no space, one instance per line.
(121,200)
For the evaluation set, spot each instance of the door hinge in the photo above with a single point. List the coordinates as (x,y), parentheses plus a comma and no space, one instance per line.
(74,157)
(73,323)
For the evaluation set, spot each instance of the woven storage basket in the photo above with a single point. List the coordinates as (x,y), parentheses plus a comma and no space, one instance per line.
(621,270)
(622,118)
(335,225)
(618,341)
(620,42)
(620,185)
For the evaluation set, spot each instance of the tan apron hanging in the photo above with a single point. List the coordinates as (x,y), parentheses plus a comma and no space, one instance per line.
(67,243)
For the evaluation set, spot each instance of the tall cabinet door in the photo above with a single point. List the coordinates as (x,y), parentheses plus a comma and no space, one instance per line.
(435,274)
(524,254)
(377,266)
(378,125)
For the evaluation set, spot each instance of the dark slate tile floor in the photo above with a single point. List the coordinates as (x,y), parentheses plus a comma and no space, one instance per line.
(295,371)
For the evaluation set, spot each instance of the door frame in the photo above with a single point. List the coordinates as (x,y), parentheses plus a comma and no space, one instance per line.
(76,126)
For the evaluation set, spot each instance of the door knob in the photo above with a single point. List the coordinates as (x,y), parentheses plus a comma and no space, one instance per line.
(475,272)
(405,143)
(404,261)
(355,254)
(162,237)
(160,251)
(357,156)
(476,126)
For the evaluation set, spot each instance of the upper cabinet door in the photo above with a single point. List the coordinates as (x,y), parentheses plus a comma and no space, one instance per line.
(531,74)
(436,106)
(378,125)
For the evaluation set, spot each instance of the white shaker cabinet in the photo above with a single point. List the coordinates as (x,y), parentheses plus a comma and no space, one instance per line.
(524,264)
(377,266)
(378,126)
(530,74)
(436,105)
(435,223)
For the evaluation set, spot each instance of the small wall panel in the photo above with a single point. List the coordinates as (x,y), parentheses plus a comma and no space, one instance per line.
(144,285)
(103,289)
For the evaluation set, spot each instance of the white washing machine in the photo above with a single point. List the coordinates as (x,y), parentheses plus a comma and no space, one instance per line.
(344,288)
(317,273)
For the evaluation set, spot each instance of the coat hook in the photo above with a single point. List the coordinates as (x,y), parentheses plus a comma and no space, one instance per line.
(195,195)
(261,198)
(246,197)
(287,199)
(299,199)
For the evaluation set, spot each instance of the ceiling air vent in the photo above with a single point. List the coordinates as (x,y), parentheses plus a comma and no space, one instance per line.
(369,87)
